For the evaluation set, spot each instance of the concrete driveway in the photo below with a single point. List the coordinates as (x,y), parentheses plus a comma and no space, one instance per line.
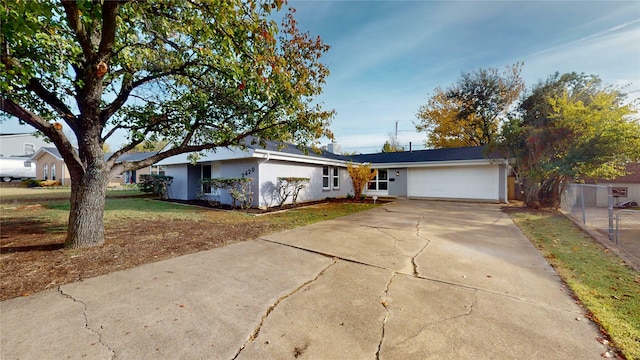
(410,280)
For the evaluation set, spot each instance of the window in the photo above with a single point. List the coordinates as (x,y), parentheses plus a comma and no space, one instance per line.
(325,177)
(29,149)
(206,174)
(158,170)
(380,181)
(45,169)
(336,178)
(53,171)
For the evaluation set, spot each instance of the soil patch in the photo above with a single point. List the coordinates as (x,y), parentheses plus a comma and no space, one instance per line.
(33,259)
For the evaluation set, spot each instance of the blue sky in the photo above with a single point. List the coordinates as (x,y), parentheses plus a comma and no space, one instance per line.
(386,57)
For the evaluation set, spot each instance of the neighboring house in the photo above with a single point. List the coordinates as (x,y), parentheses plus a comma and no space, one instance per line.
(25,144)
(50,166)
(454,174)
(132,177)
(460,174)
(625,188)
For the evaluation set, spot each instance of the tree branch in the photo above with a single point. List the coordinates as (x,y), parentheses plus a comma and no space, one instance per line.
(73,16)
(49,130)
(52,100)
(109,13)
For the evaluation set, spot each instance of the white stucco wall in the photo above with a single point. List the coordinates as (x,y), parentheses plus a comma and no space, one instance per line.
(271,170)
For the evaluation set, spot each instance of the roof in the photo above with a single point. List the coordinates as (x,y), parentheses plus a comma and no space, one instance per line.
(287,148)
(431,155)
(49,149)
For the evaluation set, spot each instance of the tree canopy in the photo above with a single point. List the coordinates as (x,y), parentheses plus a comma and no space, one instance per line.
(567,128)
(469,112)
(197,74)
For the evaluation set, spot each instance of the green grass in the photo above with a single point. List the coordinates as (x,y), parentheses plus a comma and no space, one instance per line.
(312,214)
(605,285)
(22,195)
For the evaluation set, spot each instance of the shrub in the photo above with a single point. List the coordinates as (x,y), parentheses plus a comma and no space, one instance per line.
(290,186)
(155,184)
(360,176)
(238,188)
(30,183)
(50,183)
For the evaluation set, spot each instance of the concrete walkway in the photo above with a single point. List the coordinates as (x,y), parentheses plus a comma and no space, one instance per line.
(411,280)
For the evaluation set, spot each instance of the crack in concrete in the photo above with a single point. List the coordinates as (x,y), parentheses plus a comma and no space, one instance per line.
(86,321)
(467,313)
(272,307)
(416,271)
(385,305)
(326,254)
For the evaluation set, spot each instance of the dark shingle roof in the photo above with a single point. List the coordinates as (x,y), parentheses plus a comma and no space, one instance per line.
(450,154)
(288,148)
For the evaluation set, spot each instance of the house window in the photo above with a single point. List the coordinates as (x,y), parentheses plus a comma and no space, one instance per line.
(336,177)
(325,177)
(53,171)
(206,174)
(158,170)
(380,181)
(29,149)
(45,169)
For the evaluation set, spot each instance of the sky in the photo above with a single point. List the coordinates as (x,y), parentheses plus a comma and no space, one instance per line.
(387,57)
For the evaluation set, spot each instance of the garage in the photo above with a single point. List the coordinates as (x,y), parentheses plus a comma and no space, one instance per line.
(479,182)
(468,173)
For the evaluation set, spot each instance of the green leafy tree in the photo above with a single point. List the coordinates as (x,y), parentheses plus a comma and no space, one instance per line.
(470,112)
(360,175)
(197,74)
(568,127)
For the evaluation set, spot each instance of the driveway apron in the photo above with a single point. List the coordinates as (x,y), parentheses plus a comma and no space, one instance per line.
(410,280)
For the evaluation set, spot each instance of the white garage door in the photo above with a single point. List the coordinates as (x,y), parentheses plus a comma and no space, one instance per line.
(468,182)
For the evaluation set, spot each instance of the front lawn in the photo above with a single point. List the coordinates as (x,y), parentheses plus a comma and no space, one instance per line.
(137,231)
(605,285)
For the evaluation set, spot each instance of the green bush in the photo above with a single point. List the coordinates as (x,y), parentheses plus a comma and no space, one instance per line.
(155,184)
(30,183)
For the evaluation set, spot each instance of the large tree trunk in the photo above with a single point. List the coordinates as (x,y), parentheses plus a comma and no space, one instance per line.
(86,216)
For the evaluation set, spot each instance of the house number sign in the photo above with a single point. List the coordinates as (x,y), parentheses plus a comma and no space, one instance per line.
(248,172)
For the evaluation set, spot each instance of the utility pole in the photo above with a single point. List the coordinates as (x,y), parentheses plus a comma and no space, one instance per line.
(396,130)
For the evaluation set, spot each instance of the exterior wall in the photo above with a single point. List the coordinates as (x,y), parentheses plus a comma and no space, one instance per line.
(11,145)
(503,187)
(271,170)
(179,186)
(61,170)
(398,182)
(633,194)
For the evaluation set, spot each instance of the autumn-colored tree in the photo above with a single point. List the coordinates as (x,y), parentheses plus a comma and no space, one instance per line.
(360,175)
(569,126)
(469,112)
(198,74)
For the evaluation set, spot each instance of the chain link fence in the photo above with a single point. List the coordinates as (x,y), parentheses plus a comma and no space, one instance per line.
(594,206)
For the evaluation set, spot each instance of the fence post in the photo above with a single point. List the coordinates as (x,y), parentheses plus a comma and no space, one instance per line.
(610,196)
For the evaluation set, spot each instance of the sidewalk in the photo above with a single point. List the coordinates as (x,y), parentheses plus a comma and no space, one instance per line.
(411,280)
